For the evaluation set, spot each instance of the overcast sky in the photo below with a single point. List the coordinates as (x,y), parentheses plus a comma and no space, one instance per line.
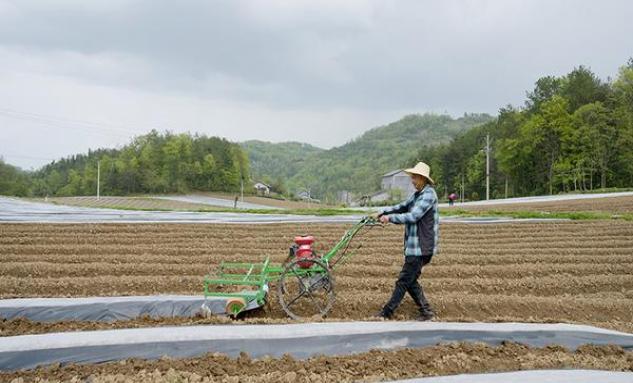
(80,74)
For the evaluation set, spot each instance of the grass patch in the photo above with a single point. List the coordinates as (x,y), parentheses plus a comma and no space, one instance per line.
(576,215)
(597,191)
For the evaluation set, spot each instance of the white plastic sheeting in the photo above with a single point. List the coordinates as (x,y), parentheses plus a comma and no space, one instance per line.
(108,309)
(16,210)
(29,351)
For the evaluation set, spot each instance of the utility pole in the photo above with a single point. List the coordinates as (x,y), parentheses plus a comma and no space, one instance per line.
(487,167)
(98,177)
(242,189)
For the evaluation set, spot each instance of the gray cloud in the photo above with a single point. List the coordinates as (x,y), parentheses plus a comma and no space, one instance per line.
(366,60)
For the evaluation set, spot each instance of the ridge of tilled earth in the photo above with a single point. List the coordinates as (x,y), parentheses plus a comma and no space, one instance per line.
(614,205)
(372,366)
(574,272)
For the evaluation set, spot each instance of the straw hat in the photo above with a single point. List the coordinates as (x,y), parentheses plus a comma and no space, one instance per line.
(422,169)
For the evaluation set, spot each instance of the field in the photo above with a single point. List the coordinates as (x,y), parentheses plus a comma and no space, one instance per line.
(284,204)
(150,203)
(618,207)
(131,203)
(568,271)
(612,205)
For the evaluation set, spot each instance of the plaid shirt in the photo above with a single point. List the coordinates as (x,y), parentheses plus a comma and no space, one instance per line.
(420,215)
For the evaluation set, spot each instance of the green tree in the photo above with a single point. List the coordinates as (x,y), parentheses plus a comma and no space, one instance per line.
(540,139)
(544,89)
(623,111)
(14,181)
(476,171)
(596,137)
(581,87)
(54,181)
(72,186)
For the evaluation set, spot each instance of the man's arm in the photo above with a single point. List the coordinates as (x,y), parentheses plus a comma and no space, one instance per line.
(399,208)
(420,208)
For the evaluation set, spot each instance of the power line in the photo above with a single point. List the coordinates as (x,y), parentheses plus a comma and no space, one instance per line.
(121,128)
(26,157)
(58,125)
(66,123)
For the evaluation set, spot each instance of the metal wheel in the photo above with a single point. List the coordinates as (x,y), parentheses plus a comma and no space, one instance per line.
(306,291)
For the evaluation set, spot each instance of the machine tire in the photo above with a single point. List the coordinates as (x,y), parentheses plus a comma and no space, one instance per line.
(307,296)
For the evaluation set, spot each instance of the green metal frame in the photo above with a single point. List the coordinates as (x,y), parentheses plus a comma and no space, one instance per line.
(260,275)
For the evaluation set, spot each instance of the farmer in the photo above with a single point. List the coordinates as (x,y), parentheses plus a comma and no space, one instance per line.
(451,199)
(420,216)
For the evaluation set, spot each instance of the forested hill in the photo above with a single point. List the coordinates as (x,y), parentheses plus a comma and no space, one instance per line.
(168,163)
(153,163)
(358,165)
(275,163)
(574,133)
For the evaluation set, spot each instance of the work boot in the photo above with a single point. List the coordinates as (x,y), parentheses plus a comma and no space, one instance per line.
(425,315)
(382,315)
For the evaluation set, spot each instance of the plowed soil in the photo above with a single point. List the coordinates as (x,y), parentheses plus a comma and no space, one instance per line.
(578,272)
(372,366)
(613,205)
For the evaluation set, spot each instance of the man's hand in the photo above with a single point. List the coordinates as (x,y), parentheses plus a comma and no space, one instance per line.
(384,219)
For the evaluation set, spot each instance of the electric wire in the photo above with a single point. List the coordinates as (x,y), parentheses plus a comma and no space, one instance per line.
(71,124)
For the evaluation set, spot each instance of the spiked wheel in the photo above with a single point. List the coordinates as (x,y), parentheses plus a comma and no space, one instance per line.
(307,290)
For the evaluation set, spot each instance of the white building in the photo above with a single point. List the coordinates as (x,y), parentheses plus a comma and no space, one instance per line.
(397,179)
(395,185)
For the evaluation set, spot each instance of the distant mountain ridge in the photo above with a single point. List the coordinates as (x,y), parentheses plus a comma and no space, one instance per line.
(357,165)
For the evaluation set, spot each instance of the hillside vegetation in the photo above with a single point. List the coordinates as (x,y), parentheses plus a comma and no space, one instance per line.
(574,134)
(153,163)
(275,163)
(13,180)
(358,165)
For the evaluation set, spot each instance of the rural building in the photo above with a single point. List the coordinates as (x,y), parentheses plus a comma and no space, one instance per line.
(262,188)
(395,185)
(397,179)
(304,195)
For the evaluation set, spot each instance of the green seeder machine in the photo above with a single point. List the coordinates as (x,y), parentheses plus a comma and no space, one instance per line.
(304,281)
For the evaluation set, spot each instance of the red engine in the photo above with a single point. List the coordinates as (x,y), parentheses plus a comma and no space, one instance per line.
(304,251)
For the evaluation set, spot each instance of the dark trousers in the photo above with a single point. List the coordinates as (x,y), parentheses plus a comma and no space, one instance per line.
(408,283)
